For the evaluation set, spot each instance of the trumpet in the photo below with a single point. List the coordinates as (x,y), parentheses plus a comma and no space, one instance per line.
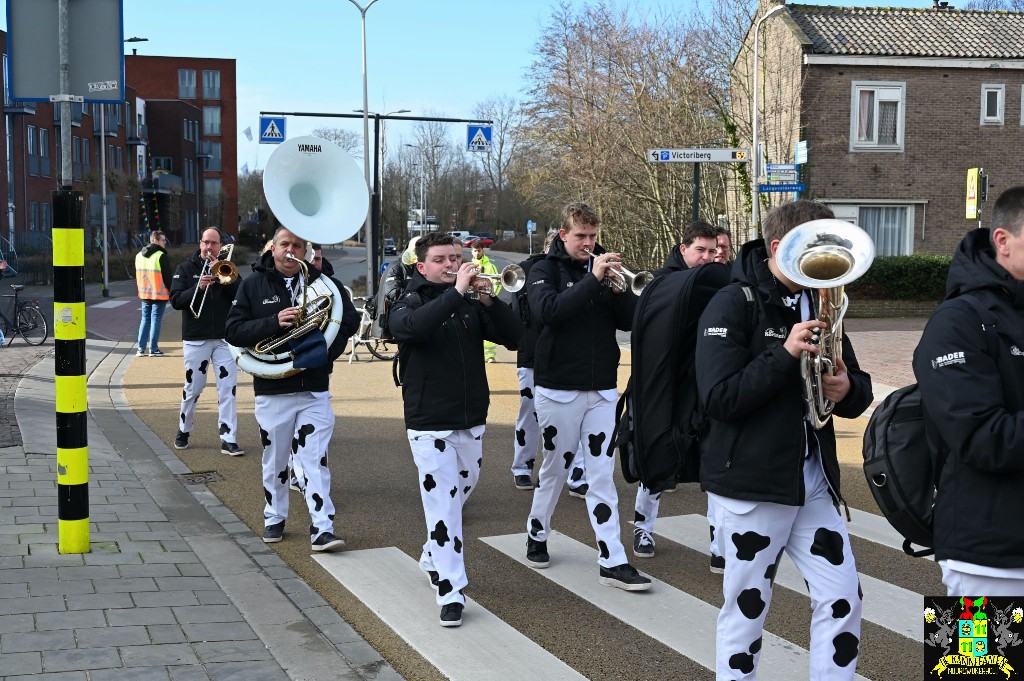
(224,270)
(623,279)
(512,277)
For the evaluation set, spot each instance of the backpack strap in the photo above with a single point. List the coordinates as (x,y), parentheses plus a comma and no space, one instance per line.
(753,305)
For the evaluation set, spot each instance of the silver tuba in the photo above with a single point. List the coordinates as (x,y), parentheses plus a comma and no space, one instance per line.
(825,255)
(317,191)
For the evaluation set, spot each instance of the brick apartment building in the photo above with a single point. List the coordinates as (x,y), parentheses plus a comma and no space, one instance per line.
(895,105)
(208,86)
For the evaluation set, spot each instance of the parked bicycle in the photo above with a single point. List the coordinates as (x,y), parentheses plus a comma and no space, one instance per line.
(378,347)
(24,319)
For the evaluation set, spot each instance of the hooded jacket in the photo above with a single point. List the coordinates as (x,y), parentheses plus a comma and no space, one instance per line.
(972,383)
(521,306)
(753,393)
(577,348)
(253,317)
(441,356)
(673,263)
(215,308)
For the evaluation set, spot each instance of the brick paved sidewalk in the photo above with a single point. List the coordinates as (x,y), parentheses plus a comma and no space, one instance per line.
(16,360)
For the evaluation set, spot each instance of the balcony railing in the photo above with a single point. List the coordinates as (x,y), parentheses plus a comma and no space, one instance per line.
(15,107)
(136,134)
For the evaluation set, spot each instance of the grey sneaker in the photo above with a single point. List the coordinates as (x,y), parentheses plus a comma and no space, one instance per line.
(624,577)
(537,553)
(273,533)
(523,482)
(579,492)
(327,542)
(643,544)
(451,614)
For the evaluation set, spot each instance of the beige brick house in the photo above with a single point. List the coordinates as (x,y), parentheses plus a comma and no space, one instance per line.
(895,105)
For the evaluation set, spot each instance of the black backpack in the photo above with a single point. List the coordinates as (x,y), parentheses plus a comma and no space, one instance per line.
(903,459)
(659,419)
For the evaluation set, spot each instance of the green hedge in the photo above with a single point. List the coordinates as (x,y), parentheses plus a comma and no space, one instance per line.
(904,277)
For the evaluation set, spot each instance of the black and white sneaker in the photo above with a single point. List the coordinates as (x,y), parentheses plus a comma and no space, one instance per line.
(434,578)
(523,482)
(231,449)
(624,577)
(537,553)
(451,614)
(643,544)
(181,440)
(293,484)
(327,542)
(579,492)
(718,564)
(273,533)
(155,353)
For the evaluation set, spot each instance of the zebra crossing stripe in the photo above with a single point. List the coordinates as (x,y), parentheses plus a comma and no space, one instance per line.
(664,613)
(885,604)
(484,648)
(875,528)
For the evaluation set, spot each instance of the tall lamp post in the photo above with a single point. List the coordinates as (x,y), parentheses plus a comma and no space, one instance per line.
(423,173)
(368,225)
(755,209)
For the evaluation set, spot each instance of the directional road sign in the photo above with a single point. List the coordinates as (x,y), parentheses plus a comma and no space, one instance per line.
(272,129)
(800,155)
(531,225)
(798,187)
(478,138)
(785,173)
(698,155)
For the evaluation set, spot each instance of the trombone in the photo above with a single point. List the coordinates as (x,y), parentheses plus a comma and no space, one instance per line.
(623,278)
(224,270)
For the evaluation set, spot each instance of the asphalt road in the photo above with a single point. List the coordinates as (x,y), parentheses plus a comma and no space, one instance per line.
(375,491)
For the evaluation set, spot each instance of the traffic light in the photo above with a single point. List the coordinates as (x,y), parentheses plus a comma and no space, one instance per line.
(982,186)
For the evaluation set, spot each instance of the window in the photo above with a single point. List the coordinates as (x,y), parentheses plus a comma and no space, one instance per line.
(33,153)
(213,149)
(186,126)
(211,84)
(992,104)
(86,156)
(211,190)
(876,116)
(889,227)
(44,152)
(186,83)
(211,120)
(45,217)
(76,158)
(190,176)
(33,217)
(162,163)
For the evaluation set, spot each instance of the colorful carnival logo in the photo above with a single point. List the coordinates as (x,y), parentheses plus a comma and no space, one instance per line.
(972,636)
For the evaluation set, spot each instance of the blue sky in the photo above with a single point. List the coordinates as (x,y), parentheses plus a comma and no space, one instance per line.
(435,57)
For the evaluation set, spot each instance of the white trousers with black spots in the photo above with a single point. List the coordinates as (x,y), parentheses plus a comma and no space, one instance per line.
(527,435)
(201,359)
(300,424)
(645,510)
(448,462)
(568,418)
(753,536)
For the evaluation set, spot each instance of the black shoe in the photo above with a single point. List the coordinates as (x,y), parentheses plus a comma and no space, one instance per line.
(669,490)
(155,353)
(273,533)
(718,564)
(523,482)
(181,440)
(434,578)
(643,544)
(231,448)
(327,542)
(537,553)
(579,492)
(451,614)
(624,577)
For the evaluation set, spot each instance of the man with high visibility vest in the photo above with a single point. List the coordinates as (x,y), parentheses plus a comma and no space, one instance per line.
(150,265)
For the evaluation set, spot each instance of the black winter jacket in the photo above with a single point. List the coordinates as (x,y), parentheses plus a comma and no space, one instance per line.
(673,263)
(753,392)
(253,317)
(521,306)
(441,360)
(972,384)
(215,308)
(577,349)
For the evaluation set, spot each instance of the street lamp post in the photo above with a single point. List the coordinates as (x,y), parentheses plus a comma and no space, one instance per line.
(423,172)
(368,225)
(755,217)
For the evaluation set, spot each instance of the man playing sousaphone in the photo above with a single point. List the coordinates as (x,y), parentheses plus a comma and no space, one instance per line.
(297,407)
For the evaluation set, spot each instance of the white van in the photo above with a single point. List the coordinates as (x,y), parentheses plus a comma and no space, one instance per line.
(460,234)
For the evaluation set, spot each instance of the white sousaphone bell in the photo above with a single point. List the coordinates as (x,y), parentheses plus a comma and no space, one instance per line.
(317,191)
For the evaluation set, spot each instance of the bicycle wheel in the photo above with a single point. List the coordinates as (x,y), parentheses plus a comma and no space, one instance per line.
(383,349)
(32,325)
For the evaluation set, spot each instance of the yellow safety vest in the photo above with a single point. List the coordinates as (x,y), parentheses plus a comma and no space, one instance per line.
(149,278)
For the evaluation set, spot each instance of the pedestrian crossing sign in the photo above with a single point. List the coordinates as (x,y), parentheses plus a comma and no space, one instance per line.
(272,129)
(478,138)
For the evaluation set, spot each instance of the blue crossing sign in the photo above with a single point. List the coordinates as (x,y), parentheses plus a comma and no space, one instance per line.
(478,138)
(272,129)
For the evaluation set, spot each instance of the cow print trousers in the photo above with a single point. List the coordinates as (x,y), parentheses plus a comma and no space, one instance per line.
(202,357)
(449,463)
(567,418)
(527,437)
(300,424)
(753,536)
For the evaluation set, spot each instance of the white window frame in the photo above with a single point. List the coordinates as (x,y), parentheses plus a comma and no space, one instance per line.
(1000,90)
(849,210)
(894,91)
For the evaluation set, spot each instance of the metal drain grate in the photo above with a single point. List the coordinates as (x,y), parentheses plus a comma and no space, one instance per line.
(200,478)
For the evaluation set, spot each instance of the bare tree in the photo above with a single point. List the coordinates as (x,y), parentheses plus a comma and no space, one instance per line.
(351,142)
(506,136)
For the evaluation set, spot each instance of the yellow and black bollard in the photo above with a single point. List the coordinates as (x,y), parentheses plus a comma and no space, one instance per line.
(70,371)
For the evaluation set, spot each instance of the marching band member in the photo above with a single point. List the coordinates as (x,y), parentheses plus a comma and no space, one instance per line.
(575,373)
(445,392)
(293,412)
(194,288)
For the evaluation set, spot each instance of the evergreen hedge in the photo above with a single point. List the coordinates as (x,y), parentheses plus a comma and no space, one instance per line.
(904,277)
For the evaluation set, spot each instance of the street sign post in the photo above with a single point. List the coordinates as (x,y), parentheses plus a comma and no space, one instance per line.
(478,138)
(782,173)
(698,155)
(972,193)
(272,130)
(800,152)
(798,187)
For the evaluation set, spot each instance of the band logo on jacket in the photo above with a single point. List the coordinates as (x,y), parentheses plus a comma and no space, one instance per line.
(948,359)
(972,635)
(271,301)
(719,331)
(779,333)
(1015,351)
